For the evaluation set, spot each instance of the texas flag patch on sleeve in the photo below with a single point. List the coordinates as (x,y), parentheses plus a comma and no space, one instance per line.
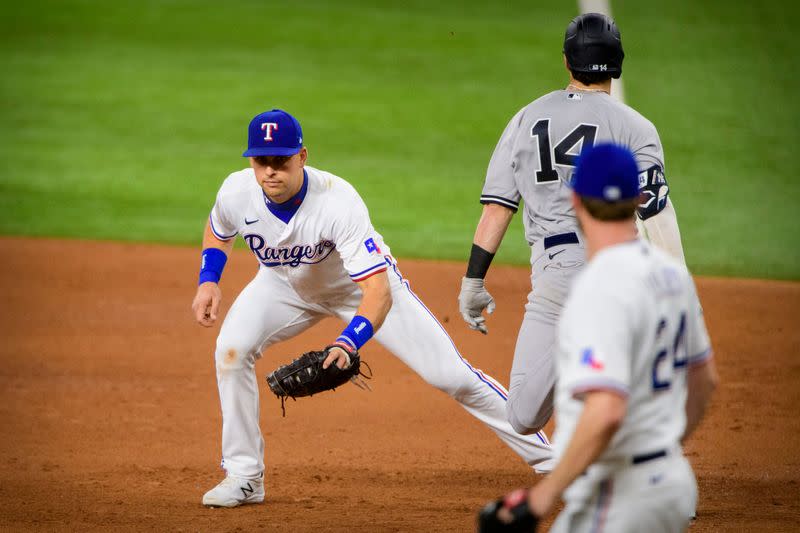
(372,248)
(591,359)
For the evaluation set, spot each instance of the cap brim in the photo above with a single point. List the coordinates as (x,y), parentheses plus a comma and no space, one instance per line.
(255,152)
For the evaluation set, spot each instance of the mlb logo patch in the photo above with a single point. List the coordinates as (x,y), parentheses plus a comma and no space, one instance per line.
(590,359)
(371,246)
(574,96)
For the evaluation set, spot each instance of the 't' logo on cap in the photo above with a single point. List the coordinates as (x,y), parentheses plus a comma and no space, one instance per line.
(269,127)
(273,133)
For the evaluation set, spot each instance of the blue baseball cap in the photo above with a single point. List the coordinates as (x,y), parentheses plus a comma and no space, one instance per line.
(273,132)
(606,172)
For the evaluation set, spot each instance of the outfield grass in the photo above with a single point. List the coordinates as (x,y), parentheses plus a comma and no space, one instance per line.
(119,120)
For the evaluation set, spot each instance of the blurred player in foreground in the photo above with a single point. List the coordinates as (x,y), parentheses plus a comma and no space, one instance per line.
(634,374)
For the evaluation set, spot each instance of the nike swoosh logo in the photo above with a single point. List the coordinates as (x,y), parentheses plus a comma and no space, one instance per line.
(248,222)
(555,254)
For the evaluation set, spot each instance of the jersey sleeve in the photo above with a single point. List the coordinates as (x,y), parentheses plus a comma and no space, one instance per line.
(221,220)
(646,146)
(500,187)
(357,242)
(599,343)
(698,344)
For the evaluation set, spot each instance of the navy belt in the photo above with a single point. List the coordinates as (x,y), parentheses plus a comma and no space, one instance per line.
(561,238)
(643,458)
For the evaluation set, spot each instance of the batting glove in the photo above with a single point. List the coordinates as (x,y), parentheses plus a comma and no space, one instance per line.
(472,300)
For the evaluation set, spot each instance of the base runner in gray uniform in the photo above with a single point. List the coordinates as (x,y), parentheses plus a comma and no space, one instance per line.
(533,162)
(635,374)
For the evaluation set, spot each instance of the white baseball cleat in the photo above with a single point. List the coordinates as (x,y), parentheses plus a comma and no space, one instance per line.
(235,491)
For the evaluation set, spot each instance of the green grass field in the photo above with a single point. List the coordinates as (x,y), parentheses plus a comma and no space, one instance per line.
(120,120)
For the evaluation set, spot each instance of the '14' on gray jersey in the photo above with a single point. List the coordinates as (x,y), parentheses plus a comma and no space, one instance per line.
(536,154)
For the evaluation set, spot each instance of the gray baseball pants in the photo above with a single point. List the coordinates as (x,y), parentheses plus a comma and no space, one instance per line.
(530,399)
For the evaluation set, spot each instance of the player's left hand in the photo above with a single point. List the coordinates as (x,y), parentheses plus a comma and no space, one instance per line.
(510,514)
(472,300)
(338,356)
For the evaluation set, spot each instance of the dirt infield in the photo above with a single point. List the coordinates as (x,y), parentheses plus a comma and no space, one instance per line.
(109,415)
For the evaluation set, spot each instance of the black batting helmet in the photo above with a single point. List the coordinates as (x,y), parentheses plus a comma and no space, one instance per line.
(592,44)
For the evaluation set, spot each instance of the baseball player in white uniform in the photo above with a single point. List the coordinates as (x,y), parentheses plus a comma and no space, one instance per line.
(634,373)
(318,256)
(534,161)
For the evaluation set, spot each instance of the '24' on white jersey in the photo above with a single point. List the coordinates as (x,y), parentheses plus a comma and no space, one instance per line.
(631,324)
(327,245)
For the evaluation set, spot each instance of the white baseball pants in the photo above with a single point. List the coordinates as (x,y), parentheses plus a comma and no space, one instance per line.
(658,497)
(268,310)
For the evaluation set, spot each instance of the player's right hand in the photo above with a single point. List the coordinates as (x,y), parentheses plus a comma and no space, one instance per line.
(206,303)
(472,300)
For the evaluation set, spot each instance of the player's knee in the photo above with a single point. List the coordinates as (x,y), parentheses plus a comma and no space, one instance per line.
(233,356)
(517,425)
(528,421)
(528,427)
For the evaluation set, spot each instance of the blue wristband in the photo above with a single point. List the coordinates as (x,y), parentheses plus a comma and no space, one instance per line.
(212,264)
(357,332)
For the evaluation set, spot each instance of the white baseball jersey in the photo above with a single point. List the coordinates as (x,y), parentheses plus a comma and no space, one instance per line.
(536,154)
(331,218)
(631,324)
